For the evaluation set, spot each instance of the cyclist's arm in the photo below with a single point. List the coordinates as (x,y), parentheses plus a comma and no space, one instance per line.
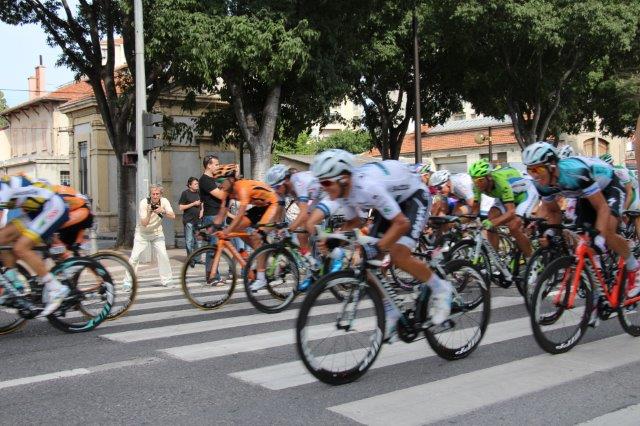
(506,216)
(300,219)
(315,218)
(242,209)
(552,211)
(222,195)
(628,188)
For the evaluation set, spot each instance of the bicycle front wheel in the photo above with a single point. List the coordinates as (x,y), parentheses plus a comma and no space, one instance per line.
(339,340)
(204,288)
(628,314)
(282,276)
(557,324)
(118,267)
(461,334)
(91,297)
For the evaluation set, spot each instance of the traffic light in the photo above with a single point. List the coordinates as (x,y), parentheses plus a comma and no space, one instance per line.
(153,130)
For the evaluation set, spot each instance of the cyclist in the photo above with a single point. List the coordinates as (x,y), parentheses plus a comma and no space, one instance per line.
(44,212)
(628,182)
(515,197)
(401,203)
(264,202)
(457,190)
(596,186)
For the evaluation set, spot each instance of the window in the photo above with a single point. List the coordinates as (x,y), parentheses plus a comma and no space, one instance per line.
(498,158)
(458,116)
(589,150)
(84,168)
(65,178)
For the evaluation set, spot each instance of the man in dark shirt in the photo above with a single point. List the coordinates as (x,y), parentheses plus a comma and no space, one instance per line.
(211,204)
(192,211)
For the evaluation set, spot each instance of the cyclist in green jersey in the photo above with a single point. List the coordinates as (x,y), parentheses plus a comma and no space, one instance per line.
(515,197)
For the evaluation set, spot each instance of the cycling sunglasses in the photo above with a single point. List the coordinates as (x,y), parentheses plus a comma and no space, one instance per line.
(537,170)
(326,183)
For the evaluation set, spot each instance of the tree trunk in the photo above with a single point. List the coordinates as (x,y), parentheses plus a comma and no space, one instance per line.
(260,149)
(127,204)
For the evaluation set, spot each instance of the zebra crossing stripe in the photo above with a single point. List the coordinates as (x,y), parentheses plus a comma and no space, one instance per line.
(290,374)
(464,393)
(628,416)
(219,348)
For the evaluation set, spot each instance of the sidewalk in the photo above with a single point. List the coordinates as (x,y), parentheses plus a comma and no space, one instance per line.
(177,258)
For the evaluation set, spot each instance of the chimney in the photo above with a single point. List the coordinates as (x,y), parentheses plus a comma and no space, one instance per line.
(37,82)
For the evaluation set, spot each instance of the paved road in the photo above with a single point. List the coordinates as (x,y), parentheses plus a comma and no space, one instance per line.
(168,363)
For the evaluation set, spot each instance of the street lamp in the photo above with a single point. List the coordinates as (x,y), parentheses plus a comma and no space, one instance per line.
(480,138)
(416,86)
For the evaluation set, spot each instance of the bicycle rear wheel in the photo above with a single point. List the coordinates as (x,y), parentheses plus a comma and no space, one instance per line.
(91,297)
(556,326)
(461,334)
(339,341)
(202,289)
(628,314)
(282,278)
(465,250)
(118,266)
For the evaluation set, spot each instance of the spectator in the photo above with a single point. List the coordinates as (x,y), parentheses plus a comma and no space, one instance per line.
(192,211)
(149,232)
(208,187)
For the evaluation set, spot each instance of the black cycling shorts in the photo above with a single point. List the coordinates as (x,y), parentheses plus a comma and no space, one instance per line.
(614,194)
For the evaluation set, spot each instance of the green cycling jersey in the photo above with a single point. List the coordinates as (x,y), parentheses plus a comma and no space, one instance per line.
(508,186)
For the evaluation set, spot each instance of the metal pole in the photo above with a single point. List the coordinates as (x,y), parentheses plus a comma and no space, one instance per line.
(142,175)
(416,84)
(490,150)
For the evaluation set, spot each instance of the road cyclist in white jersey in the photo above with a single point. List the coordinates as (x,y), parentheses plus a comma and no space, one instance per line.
(401,203)
(313,204)
(44,211)
(456,191)
(600,198)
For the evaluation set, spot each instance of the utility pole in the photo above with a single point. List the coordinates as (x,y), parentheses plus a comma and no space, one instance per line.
(416,85)
(142,175)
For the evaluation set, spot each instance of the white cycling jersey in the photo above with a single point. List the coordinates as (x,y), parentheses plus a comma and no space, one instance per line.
(381,186)
(462,186)
(308,190)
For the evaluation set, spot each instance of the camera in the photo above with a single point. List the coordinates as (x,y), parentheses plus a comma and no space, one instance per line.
(154,206)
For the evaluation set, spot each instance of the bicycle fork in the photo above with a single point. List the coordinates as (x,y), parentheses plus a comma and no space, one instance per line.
(493,257)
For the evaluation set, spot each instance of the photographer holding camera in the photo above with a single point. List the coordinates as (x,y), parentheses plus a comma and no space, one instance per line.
(151,211)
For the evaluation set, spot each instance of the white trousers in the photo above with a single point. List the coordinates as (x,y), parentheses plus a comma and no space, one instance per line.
(140,243)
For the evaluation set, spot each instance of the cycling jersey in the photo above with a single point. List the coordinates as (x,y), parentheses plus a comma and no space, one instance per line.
(578,177)
(509,186)
(381,186)
(44,210)
(258,194)
(626,178)
(461,187)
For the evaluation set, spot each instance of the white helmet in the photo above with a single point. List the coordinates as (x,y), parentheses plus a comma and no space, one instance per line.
(566,152)
(332,163)
(539,153)
(439,178)
(277,174)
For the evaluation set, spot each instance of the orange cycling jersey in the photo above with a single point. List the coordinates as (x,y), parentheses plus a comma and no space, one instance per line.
(253,192)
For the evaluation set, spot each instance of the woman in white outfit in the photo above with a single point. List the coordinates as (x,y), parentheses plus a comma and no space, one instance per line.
(149,231)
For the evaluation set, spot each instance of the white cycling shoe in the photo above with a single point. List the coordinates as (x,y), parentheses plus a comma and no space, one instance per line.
(54,299)
(257,285)
(440,302)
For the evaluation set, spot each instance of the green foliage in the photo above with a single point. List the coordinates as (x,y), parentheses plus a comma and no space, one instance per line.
(3,106)
(541,61)
(355,142)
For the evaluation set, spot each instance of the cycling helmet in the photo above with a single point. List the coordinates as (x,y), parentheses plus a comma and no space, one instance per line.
(539,153)
(332,163)
(227,170)
(439,178)
(566,152)
(480,168)
(277,174)
(423,169)
(607,158)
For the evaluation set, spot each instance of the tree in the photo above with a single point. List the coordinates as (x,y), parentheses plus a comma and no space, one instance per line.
(79,33)
(535,60)
(3,106)
(356,142)
(274,62)
(382,75)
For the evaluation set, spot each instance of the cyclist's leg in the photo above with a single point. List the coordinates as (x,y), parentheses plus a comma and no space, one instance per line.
(495,211)
(524,209)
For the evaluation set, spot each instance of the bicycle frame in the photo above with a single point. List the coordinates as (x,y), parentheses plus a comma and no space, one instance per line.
(482,241)
(225,244)
(584,252)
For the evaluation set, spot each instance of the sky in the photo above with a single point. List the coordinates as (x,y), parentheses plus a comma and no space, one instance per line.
(20,50)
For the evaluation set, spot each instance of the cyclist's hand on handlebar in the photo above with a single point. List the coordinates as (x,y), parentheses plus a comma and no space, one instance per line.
(487,224)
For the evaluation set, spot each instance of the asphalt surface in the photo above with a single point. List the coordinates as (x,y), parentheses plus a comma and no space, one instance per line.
(153,377)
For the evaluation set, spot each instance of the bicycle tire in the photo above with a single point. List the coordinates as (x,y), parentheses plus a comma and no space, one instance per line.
(561,270)
(628,314)
(464,249)
(465,308)
(10,319)
(306,334)
(193,279)
(104,291)
(541,257)
(124,300)
(282,299)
